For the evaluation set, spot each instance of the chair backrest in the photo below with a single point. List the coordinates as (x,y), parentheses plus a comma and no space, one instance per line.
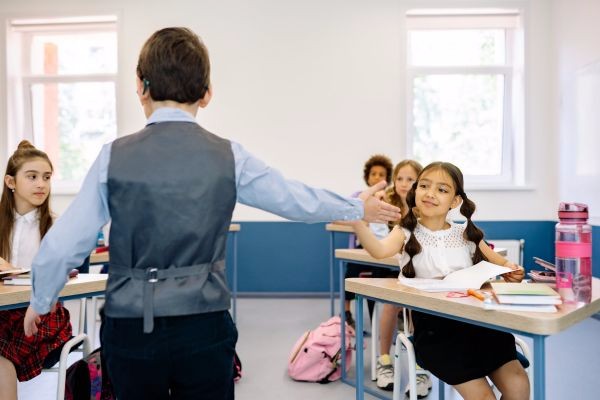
(514,248)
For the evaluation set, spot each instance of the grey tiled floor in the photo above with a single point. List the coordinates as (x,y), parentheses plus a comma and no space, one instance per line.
(268,329)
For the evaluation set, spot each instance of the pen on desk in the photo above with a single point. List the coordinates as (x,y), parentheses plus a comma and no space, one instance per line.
(476,294)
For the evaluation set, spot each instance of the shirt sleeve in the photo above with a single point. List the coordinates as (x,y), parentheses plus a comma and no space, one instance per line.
(72,237)
(261,186)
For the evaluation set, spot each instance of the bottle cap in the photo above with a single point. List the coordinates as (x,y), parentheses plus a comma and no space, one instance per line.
(578,211)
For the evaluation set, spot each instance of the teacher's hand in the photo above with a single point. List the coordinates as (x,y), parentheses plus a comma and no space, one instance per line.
(375,209)
(32,319)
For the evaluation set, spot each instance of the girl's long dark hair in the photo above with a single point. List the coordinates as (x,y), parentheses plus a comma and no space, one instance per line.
(467,208)
(25,152)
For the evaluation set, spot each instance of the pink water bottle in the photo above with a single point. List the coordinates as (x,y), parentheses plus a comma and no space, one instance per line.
(574,253)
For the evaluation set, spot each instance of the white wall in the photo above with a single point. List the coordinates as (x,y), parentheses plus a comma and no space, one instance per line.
(315,87)
(576,34)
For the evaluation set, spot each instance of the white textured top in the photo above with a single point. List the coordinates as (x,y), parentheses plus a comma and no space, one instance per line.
(25,239)
(442,252)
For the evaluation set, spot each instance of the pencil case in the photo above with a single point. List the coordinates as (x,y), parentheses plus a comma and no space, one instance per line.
(543,276)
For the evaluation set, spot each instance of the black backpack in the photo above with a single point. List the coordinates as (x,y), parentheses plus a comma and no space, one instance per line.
(87,379)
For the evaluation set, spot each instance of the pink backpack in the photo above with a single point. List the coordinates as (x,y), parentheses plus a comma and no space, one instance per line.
(316,356)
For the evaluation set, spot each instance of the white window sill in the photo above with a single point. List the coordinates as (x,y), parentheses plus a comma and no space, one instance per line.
(499,188)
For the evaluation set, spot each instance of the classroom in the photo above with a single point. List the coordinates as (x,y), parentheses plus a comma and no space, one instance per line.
(314,88)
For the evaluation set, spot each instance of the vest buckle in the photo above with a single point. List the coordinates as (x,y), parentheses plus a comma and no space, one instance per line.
(152,275)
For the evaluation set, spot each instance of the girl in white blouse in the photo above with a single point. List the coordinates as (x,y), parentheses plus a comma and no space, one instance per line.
(25,218)
(430,246)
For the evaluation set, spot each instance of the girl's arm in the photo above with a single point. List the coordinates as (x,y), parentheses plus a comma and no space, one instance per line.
(386,247)
(518,272)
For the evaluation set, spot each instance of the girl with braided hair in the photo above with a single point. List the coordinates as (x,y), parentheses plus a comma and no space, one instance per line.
(431,246)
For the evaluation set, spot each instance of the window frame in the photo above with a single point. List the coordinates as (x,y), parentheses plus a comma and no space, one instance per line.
(511,21)
(20,80)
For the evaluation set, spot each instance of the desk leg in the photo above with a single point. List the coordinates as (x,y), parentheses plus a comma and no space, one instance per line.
(235,278)
(343,315)
(331,261)
(360,365)
(539,367)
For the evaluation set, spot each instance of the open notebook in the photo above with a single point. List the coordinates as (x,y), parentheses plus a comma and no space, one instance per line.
(468,278)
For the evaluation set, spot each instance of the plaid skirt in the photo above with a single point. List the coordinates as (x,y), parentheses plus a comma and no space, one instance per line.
(28,353)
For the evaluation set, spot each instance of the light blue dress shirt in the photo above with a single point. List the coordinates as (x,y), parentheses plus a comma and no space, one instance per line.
(74,235)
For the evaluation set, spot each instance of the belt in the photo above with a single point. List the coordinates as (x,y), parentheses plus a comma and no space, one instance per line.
(152,275)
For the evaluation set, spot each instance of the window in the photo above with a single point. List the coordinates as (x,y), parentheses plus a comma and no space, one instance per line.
(464,79)
(62,81)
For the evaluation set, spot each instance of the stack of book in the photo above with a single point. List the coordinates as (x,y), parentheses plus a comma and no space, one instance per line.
(536,297)
(21,280)
(22,277)
(17,276)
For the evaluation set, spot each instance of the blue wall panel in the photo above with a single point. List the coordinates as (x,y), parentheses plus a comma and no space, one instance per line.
(538,236)
(286,257)
(282,257)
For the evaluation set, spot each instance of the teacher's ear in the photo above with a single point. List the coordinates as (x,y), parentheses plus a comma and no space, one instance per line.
(207,97)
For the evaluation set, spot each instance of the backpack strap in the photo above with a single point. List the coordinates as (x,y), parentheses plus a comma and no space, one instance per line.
(334,366)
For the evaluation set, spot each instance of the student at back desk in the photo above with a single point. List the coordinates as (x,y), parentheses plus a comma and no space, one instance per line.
(378,168)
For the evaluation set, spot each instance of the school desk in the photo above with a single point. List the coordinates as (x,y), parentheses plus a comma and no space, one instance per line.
(104,258)
(333,229)
(337,228)
(84,285)
(538,326)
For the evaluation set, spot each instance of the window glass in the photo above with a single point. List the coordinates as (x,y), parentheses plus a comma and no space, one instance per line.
(452,47)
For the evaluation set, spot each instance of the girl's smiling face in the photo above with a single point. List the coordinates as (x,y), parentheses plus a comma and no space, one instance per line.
(435,194)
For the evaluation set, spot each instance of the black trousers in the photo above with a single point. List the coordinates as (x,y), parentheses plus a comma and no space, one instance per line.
(183,358)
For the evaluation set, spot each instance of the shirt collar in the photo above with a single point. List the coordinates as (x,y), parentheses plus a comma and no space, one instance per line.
(31,216)
(165,114)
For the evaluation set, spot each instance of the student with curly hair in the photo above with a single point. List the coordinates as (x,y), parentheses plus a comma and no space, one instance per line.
(377,168)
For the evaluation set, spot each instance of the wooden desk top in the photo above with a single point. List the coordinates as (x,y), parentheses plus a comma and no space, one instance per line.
(103,258)
(363,255)
(470,308)
(339,228)
(99,258)
(84,283)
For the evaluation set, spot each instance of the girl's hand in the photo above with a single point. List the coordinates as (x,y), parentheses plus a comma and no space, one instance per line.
(517,274)
(380,195)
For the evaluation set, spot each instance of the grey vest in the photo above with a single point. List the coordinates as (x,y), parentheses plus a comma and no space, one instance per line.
(171,194)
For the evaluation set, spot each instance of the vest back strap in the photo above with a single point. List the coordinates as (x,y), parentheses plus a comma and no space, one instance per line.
(152,275)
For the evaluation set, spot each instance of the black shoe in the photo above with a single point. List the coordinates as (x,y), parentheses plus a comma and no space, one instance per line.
(350,319)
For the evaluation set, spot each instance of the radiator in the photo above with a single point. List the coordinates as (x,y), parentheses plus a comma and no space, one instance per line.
(514,249)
